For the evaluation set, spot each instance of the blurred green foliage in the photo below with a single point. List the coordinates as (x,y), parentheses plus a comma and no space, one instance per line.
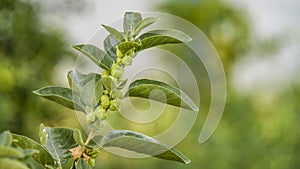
(227,27)
(29,52)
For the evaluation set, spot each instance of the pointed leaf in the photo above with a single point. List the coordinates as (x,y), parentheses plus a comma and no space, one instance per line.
(140,143)
(59,141)
(131,19)
(42,157)
(5,138)
(143,24)
(63,96)
(144,87)
(126,46)
(78,80)
(161,37)
(98,56)
(116,34)
(110,44)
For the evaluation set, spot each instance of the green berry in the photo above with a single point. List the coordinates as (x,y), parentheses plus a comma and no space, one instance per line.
(119,61)
(117,72)
(127,60)
(91,161)
(115,104)
(104,101)
(100,113)
(90,117)
(106,92)
(116,94)
(105,73)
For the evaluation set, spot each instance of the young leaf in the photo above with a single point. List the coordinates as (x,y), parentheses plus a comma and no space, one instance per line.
(116,34)
(131,19)
(5,138)
(59,141)
(140,143)
(81,164)
(161,37)
(63,96)
(110,44)
(91,93)
(78,137)
(125,46)
(143,24)
(98,56)
(42,157)
(143,87)
(78,80)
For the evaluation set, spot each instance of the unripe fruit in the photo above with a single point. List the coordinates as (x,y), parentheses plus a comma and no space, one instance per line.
(90,117)
(119,61)
(104,101)
(91,161)
(117,72)
(116,94)
(115,104)
(105,73)
(127,60)
(114,66)
(100,113)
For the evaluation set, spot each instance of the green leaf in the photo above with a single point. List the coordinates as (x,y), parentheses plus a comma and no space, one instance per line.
(78,80)
(91,93)
(10,152)
(6,163)
(131,19)
(81,164)
(161,37)
(31,163)
(98,56)
(110,44)
(69,164)
(59,141)
(116,34)
(126,46)
(143,24)
(78,137)
(144,87)
(5,138)
(61,95)
(42,157)
(140,143)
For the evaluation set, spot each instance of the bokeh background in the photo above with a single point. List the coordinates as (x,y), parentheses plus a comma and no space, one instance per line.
(257,40)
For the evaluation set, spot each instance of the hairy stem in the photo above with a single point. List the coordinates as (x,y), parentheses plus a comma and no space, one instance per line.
(90,137)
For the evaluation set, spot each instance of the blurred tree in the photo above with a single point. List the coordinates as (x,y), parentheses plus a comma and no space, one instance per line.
(28,54)
(225,25)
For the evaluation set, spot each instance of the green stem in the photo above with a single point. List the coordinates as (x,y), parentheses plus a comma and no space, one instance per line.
(90,137)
